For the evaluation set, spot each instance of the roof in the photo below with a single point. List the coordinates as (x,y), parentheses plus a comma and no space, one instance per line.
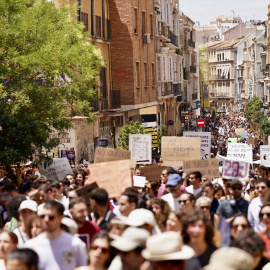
(227,44)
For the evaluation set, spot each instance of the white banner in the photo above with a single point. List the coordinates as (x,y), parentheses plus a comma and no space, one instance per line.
(265,155)
(235,170)
(140,146)
(240,152)
(221,131)
(205,142)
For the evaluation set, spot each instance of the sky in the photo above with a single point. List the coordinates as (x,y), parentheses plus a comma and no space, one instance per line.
(205,10)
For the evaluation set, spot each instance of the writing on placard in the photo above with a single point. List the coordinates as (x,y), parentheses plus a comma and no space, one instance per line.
(235,170)
(108,154)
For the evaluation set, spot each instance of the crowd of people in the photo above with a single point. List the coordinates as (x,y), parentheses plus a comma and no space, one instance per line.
(180,221)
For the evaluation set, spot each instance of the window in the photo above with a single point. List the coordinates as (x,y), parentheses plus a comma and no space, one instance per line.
(164,68)
(84,18)
(138,74)
(151,25)
(135,21)
(153,73)
(92,17)
(145,75)
(158,69)
(143,22)
(170,69)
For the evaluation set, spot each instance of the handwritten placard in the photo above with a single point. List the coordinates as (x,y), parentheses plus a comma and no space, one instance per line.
(232,140)
(58,170)
(208,167)
(239,152)
(239,130)
(108,154)
(152,172)
(140,146)
(265,155)
(175,150)
(114,176)
(235,170)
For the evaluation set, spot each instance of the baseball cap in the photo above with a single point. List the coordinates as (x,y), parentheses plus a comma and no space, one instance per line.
(28,204)
(131,239)
(174,179)
(139,217)
(235,182)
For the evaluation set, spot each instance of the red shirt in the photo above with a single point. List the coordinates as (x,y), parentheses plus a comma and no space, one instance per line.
(87,232)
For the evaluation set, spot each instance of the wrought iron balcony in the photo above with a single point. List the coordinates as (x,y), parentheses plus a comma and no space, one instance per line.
(116,99)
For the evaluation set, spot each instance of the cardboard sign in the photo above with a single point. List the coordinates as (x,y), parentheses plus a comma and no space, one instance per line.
(109,154)
(138,181)
(238,131)
(152,172)
(58,170)
(175,150)
(240,152)
(265,155)
(205,142)
(207,167)
(232,140)
(140,146)
(114,176)
(251,140)
(235,170)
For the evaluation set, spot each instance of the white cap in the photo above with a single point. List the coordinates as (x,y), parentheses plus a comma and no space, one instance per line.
(139,217)
(71,224)
(28,204)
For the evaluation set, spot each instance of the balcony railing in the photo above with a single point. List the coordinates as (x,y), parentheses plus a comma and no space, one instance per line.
(116,99)
(191,43)
(173,39)
(166,92)
(177,89)
(193,69)
(109,30)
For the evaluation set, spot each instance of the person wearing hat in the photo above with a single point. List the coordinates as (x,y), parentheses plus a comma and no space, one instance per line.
(129,245)
(236,204)
(167,251)
(173,185)
(27,208)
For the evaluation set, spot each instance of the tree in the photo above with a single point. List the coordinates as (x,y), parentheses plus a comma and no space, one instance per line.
(213,113)
(132,128)
(253,106)
(47,73)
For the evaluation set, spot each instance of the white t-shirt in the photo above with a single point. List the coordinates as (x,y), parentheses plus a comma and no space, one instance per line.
(66,252)
(190,189)
(22,237)
(173,202)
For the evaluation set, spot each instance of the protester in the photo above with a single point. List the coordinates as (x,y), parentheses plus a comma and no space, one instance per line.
(34,226)
(174,222)
(238,224)
(79,179)
(164,179)
(187,202)
(195,179)
(128,202)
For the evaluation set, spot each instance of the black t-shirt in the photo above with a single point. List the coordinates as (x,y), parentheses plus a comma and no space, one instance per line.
(205,257)
(262,263)
(192,264)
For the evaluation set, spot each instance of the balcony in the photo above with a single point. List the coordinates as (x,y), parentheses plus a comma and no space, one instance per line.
(222,95)
(109,30)
(191,43)
(157,4)
(96,26)
(177,89)
(101,104)
(194,96)
(167,90)
(116,99)
(186,74)
(173,39)
(193,69)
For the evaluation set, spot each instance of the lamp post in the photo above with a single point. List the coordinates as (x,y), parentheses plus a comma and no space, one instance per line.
(203,98)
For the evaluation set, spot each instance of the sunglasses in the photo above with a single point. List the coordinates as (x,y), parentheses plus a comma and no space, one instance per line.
(262,187)
(261,215)
(51,217)
(163,174)
(244,226)
(183,201)
(237,188)
(204,207)
(103,250)
(40,182)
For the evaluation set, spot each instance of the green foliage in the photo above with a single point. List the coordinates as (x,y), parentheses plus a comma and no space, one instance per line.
(213,113)
(47,70)
(266,128)
(132,128)
(164,131)
(253,106)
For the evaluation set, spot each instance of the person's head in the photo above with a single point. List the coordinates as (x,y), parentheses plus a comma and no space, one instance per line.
(14,204)
(56,190)
(197,228)
(174,183)
(78,210)
(116,226)
(127,202)
(238,224)
(52,215)
(98,198)
(45,193)
(34,226)
(195,179)
(137,172)
(152,189)
(235,189)
(161,210)
(10,188)
(8,242)
(42,180)
(166,173)
(263,171)
(70,178)
(208,189)
(27,208)
(264,215)
(65,183)
(219,191)
(100,253)
(262,187)
(187,201)
(203,204)
(174,222)
(252,243)
(22,259)
(166,251)
(130,245)
(80,178)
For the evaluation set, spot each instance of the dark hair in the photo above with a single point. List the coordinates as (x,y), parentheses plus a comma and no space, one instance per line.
(197,174)
(25,187)
(56,185)
(76,200)
(170,170)
(29,223)
(13,206)
(12,235)
(264,205)
(65,182)
(207,184)
(239,215)
(263,180)
(100,195)
(8,187)
(132,197)
(154,187)
(250,242)
(46,188)
(190,195)
(83,176)
(217,188)
(193,217)
(104,235)
(26,256)
(59,207)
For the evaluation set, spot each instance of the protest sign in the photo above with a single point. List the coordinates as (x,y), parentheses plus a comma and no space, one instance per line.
(175,150)
(238,131)
(58,169)
(232,140)
(240,152)
(251,140)
(114,176)
(265,155)
(140,146)
(138,181)
(85,191)
(103,154)
(152,172)
(207,167)
(235,170)
(221,131)
(205,142)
